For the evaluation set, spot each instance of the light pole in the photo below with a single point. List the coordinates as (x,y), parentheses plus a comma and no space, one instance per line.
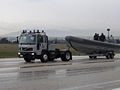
(108,33)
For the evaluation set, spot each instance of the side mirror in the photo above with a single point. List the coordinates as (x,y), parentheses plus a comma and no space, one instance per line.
(17,39)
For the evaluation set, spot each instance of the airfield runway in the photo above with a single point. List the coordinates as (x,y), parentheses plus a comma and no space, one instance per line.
(78,74)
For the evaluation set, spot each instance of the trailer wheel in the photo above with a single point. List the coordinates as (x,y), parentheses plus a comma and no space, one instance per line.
(95,57)
(66,56)
(44,57)
(108,56)
(92,57)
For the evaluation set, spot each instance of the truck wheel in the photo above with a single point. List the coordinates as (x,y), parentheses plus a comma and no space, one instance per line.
(27,59)
(110,56)
(44,57)
(66,56)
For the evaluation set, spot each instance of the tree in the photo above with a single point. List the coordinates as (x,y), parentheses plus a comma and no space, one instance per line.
(4,41)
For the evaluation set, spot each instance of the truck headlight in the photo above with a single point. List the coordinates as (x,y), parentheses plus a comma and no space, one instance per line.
(33,54)
(19,53)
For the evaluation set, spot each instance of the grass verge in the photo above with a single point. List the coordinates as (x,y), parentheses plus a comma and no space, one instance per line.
(11,50)
(8,50)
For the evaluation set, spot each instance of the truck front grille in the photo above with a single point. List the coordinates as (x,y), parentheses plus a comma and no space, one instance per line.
(27,49)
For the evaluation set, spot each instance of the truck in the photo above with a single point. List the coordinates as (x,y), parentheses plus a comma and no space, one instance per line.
(35,45)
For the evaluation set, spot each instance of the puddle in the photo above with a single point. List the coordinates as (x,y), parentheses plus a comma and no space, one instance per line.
(9,69)
(110,85)
(33,75)
(37,75)
(116,89)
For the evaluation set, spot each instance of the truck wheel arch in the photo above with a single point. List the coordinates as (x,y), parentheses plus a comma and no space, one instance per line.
(44,56)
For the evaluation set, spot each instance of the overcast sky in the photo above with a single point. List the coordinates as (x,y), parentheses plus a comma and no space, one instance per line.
(83,16)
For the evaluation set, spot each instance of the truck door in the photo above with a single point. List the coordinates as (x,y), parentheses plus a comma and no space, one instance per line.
(45,42)
(39,44)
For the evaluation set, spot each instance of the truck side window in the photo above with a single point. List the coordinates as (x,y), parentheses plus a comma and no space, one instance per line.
(39,39)
(46,39)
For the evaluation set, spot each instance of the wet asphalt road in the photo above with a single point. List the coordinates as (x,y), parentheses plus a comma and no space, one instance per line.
(79,74)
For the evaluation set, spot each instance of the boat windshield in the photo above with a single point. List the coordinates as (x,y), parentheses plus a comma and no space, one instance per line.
(27,39)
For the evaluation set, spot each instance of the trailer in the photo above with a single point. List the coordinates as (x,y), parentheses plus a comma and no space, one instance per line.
(35,45)
(107,54)
(93,48)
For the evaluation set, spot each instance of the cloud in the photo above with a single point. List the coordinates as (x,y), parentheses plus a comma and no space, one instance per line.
(87,15)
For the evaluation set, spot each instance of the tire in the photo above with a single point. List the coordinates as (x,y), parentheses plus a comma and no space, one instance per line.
(44,57)
(107,56)
(27,59)
(110,56)
(92,57)
(95,57)
(66,56)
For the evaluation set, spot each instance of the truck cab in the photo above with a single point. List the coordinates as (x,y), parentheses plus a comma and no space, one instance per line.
(34,45)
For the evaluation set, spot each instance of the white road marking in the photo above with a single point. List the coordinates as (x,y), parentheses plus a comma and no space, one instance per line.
(92,85)
(116,89)
(9,69)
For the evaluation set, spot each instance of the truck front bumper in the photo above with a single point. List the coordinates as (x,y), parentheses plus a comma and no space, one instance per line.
(24,54)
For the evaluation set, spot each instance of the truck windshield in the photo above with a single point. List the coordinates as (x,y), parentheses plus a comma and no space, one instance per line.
(26,39)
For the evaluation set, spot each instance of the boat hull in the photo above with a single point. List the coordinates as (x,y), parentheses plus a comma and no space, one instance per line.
(91,46)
